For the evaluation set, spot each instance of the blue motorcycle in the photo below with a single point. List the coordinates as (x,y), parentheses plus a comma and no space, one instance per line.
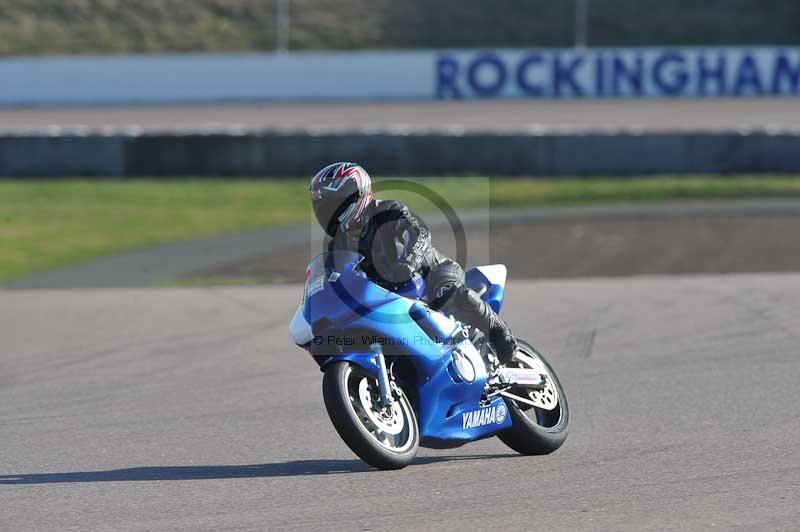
(399,375)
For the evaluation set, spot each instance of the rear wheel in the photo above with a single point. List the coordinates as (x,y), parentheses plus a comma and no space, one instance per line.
(386,438)
(541,427)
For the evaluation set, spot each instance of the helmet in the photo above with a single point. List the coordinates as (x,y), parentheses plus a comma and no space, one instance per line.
(340,193)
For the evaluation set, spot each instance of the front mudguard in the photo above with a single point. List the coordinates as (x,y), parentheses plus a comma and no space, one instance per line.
(364,359)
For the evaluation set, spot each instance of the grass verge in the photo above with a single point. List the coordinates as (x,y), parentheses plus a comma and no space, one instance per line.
(46,224)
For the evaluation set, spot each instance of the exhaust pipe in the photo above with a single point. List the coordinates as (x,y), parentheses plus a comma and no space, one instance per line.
(524,377)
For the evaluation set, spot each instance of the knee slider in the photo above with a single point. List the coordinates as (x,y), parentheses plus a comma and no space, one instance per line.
(443,295)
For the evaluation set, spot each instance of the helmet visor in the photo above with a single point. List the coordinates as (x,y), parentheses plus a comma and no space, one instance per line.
(329,211)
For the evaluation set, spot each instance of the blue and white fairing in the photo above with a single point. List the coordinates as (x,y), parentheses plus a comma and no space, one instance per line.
(343,312)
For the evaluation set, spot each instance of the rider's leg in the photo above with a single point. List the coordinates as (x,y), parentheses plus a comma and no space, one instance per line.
(447,291)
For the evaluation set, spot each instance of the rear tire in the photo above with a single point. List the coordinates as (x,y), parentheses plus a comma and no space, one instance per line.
(535,430)
(350,393)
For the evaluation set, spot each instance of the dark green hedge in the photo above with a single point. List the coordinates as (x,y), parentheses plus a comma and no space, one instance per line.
(114,26)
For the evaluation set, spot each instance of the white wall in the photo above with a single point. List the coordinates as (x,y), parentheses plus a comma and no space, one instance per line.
(429,74)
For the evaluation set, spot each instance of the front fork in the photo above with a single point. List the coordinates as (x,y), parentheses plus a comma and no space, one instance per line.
(384,384)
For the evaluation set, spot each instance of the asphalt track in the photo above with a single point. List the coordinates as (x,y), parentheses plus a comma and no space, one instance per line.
(491,115)
(190,409)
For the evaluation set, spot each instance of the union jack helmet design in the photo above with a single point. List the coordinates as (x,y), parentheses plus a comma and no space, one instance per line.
(340,193)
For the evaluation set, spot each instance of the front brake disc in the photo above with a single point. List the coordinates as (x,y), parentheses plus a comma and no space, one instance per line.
(392,425)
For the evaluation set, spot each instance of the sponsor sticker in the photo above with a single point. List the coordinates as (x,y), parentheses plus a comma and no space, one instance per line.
(314,285)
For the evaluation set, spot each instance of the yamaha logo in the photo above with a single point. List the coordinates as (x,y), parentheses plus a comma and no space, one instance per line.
(501,413)
(484,416)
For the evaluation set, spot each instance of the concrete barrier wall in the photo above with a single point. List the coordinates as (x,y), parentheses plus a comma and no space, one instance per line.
(281,154)
(668,72)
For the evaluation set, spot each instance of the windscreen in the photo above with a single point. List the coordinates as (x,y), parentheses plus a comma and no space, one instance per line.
(325,266)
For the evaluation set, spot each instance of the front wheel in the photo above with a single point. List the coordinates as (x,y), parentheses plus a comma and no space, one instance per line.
(541,427)
(386,438)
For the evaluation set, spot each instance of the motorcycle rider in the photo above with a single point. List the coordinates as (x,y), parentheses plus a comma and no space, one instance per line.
(396,246)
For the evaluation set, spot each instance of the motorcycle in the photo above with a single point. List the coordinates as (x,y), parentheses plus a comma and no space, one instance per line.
(398,375)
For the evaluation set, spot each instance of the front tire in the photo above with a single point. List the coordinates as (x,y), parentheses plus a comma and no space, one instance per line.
(386,440)
(536,430)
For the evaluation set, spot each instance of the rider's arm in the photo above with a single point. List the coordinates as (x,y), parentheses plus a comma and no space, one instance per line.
(404,235)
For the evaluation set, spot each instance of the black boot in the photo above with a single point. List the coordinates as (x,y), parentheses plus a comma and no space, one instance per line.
(503,340)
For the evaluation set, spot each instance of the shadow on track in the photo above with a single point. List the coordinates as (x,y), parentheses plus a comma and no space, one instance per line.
(280,469)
